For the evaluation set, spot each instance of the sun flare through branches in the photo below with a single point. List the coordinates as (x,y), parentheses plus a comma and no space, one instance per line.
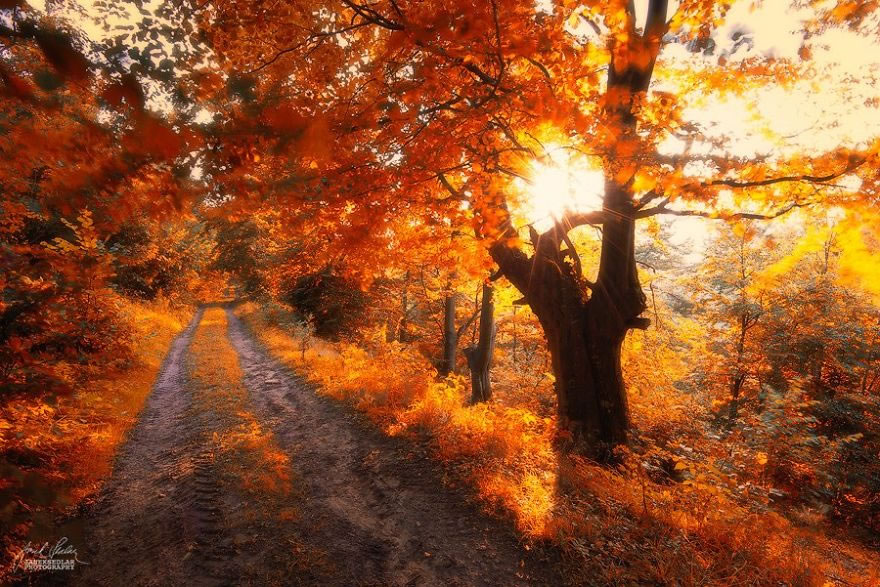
(560,182)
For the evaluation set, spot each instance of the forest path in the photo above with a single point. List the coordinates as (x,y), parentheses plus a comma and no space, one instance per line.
(237,473)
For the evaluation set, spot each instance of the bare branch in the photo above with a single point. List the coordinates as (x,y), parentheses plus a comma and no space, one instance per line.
(646,198)
(469,321)
(574,219)
(373,16)
(788,178)
(312,38)
(543,69)
(662,209)
(814,179)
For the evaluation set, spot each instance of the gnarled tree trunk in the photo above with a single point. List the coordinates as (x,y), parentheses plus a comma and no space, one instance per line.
(585,323)
(584,330)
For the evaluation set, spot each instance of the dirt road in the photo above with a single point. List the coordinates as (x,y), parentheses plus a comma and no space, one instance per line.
(329,501)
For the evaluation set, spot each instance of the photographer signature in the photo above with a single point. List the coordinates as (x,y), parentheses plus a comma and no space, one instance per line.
(47,552)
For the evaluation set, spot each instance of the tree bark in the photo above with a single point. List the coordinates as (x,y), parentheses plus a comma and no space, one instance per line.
(450,336)
(479,357)
(400,332)
(733,407)
(739,376)
(585,332)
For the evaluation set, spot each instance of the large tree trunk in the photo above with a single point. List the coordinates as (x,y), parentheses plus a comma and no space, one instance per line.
(585,324)
(450,336)
(479,357)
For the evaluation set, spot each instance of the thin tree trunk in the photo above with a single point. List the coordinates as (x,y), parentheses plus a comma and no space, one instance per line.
(479,357)
(735,389)
(450,336)
(402,325)
(739,376)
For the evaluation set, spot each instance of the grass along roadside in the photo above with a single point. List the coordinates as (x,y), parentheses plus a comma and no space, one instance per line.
(615,526)
(57,450)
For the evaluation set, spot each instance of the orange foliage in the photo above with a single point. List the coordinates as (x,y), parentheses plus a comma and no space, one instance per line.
(365,139)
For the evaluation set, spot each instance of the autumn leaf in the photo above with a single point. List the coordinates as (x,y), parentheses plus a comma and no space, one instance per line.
(805,53)
(127,90)
(16,86)
(285,118)
(317,140)
(59,51)
(643,182)
(624,174)
(153,137)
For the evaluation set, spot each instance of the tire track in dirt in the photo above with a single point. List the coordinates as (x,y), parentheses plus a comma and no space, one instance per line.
(135,530)
(237,473)
(170,514)
(383,518)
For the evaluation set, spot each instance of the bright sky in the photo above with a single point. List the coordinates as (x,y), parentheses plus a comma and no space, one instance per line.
(810,117)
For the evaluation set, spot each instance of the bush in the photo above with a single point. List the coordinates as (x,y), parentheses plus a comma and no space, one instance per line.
(334,305)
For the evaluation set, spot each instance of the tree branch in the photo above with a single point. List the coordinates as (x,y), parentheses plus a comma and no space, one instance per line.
(543,69)
(373,16)
(662,209)
(313,37)
(572,220)
(788,178)
(655,24)
(816,179)
(572,252)
(469,321)
(456,194)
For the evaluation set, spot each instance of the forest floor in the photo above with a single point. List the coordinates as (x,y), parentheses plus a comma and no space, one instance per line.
(238,473)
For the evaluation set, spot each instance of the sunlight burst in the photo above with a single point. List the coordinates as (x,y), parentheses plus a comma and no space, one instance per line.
(561,184)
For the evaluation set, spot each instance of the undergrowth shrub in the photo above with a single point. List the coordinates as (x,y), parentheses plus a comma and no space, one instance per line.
(56,447)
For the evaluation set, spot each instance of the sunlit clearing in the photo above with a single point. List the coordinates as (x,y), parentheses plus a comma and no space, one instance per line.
(558,185)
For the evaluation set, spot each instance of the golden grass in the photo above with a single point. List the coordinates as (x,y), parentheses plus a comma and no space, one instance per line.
(615,526)
(249,452)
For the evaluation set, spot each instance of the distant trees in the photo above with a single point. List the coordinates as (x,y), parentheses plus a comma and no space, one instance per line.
(731,302)
(791,344)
